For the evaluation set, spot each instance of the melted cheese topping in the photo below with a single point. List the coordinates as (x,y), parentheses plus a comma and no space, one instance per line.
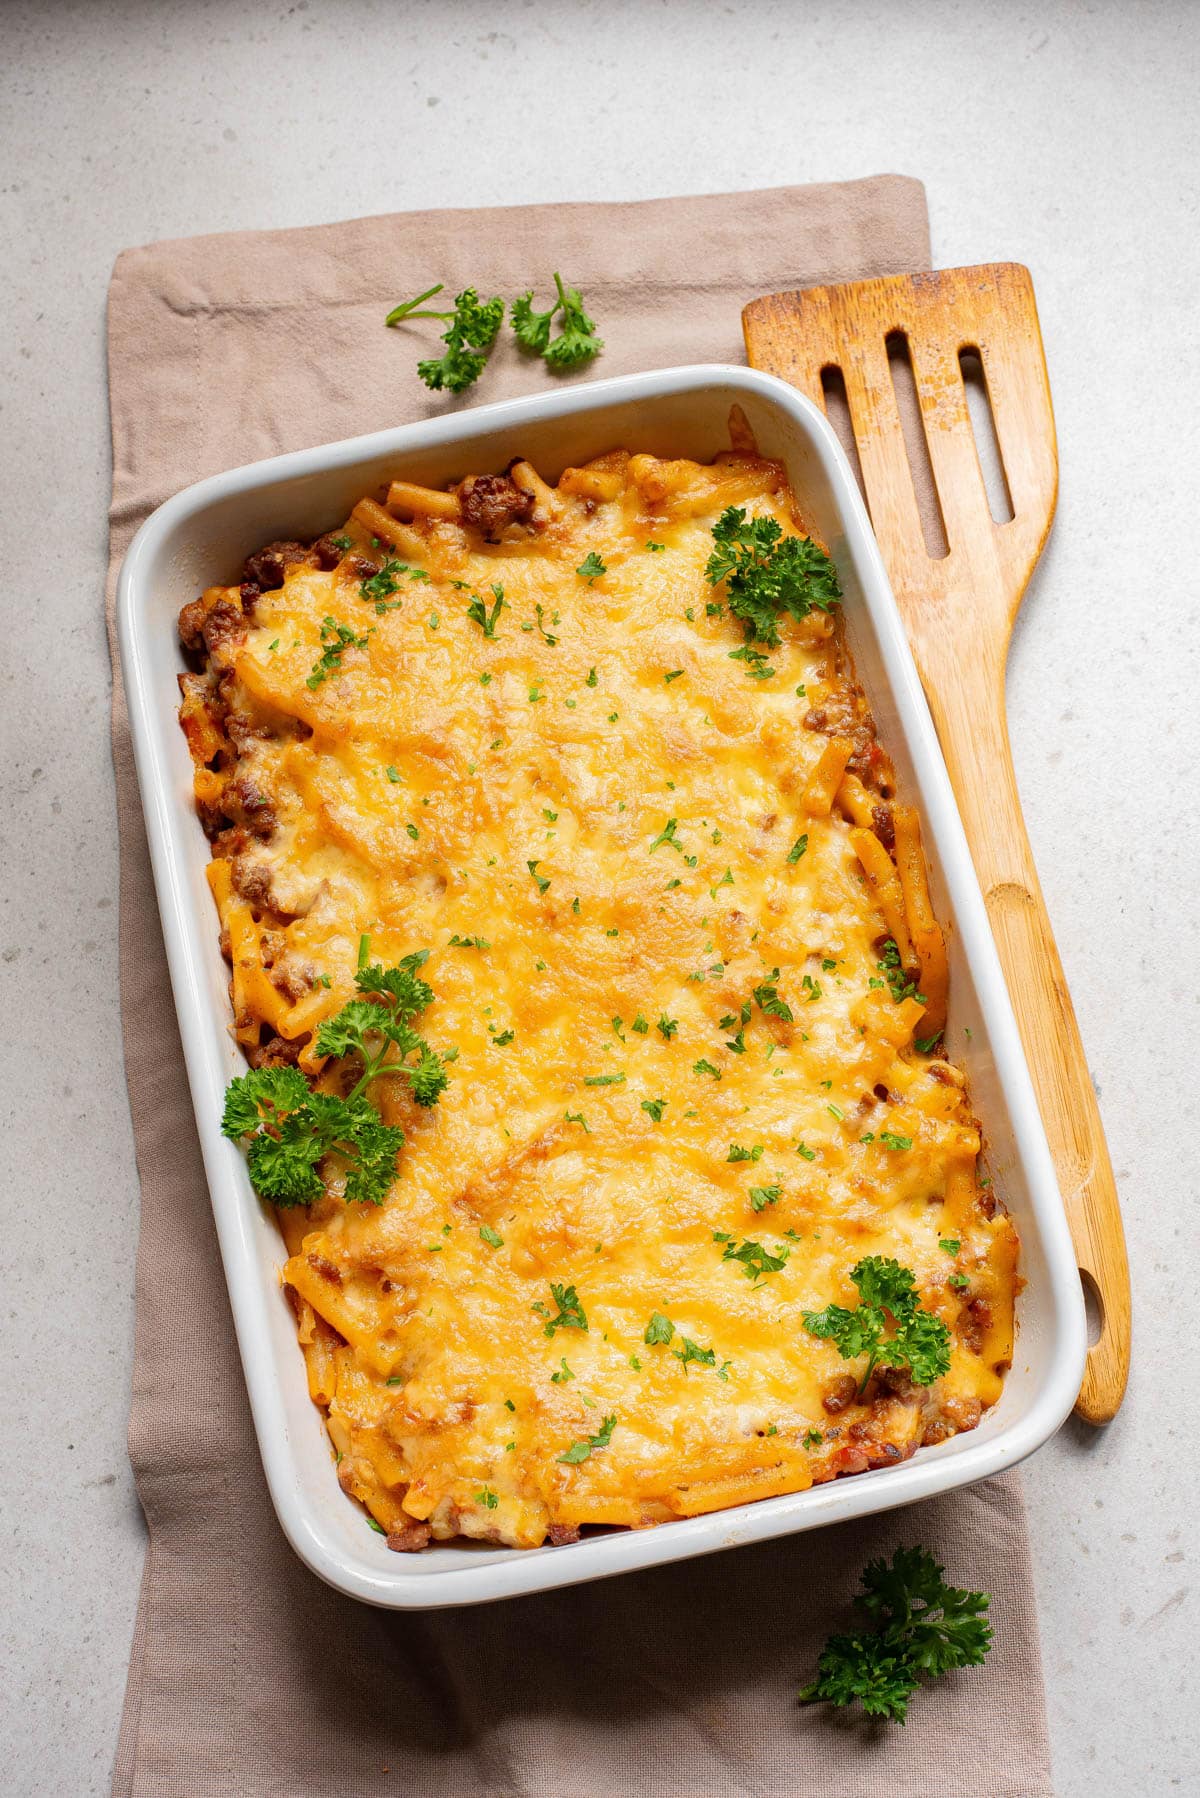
(592,822)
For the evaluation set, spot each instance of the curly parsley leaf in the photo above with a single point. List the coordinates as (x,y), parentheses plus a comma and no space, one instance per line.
(372,1027)
(473,327)
(590,569)
(265,1095)
(376,1145)
(283,1166)
(427,1077)
(922,1628)
(532,328)
(289,1128)
(889,1325)
(400,985)
(767,574)
(576,341)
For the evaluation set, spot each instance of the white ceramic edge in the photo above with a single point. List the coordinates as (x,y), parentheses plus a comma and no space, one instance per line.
(230,1190)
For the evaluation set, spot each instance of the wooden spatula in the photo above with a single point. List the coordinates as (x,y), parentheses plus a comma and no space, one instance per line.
(959,612)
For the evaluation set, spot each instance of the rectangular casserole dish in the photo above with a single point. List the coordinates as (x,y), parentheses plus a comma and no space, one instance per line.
(201,536)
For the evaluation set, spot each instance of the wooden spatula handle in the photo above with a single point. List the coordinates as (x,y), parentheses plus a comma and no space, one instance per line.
(968,706)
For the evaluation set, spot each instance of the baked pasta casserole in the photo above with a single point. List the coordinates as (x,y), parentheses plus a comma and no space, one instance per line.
(592,1004)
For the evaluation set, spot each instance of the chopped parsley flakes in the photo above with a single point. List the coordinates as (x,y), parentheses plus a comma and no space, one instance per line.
(580,1450)
(336,639)
(570,1314)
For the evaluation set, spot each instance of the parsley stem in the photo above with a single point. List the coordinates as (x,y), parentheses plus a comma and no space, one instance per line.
(407,308)
(373,1071)
(871,1360)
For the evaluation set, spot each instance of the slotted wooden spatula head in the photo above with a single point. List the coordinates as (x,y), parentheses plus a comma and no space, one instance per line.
(959,596)
(986,313)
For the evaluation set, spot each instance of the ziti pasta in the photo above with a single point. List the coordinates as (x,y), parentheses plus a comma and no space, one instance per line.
(592,1001)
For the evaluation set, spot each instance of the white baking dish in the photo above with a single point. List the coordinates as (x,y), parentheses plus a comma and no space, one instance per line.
(201,536)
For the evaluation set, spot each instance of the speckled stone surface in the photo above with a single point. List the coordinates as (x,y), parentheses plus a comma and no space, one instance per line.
(1063,136)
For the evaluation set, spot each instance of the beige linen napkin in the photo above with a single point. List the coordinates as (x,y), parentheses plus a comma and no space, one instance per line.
(248,1676)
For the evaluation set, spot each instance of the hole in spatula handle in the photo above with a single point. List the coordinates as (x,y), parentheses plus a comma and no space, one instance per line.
(933,525)
(987,442)
(837,411)
(1093,1305)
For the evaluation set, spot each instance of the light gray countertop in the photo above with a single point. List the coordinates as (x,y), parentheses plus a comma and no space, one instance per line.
(1060,135)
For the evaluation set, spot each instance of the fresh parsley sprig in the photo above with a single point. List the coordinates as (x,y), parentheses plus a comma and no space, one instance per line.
(576,341)
(289,1129)
(922,1628)
(473,327)
(889,1326)
(767,574)
(474,324)
(373,1026)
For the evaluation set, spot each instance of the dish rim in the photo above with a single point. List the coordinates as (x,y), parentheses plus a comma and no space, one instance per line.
(518,1571)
